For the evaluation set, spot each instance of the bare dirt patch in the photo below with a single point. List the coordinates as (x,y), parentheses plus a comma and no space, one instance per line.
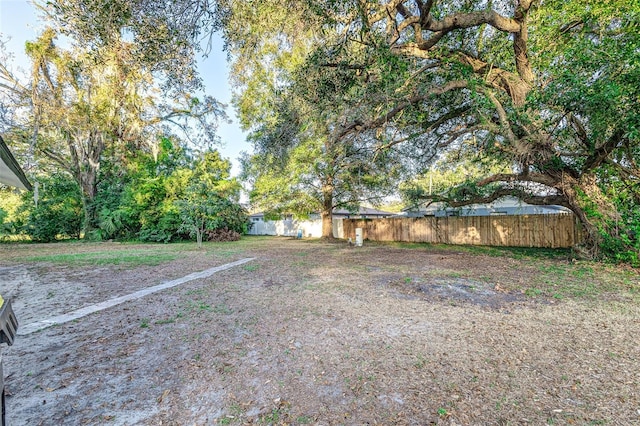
(314,333)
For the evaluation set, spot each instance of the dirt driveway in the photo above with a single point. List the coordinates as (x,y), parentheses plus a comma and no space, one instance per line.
(318,333)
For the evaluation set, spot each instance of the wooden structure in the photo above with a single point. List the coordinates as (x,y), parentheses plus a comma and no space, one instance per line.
(549,230)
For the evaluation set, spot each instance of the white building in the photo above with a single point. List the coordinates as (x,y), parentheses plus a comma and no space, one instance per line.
(502,206)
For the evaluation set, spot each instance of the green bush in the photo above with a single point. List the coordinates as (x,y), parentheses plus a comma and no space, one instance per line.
(58,214)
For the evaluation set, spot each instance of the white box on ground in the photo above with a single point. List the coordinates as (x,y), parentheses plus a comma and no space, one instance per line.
(358,237)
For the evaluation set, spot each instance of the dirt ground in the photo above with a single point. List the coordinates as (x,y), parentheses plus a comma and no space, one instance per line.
(323,333)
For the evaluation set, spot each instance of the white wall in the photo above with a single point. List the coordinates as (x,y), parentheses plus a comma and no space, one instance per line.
(289,228)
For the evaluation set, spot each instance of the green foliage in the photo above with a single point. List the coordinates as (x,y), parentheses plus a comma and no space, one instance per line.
(620,235)
(165,36)
(208,203)
(155,198)
(11,217)
(59,212)
(105,91)
(204,212)
(161,201)
(454,177)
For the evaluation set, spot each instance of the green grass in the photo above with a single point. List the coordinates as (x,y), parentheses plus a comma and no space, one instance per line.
(130,253)
(558,277)
(125,257)
(549,273)
(582,280)
(512,252)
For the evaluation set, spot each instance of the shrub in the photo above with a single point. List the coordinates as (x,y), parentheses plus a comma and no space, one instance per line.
(59,211)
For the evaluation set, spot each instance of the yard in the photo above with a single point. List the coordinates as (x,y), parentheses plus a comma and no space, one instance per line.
(321,333)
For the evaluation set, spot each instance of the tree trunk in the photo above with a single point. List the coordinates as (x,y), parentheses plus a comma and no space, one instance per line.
(327,211)
(88,183)
(86,154)
(596,213)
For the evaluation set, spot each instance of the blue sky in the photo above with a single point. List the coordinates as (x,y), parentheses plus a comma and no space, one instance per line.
(19,22)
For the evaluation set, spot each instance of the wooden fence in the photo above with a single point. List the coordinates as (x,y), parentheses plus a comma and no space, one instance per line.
(551,230)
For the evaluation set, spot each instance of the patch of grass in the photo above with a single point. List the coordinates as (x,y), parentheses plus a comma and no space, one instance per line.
(272,418)
(251,268)
(421,363)
(512,252)
(225,253)
(235,411)
(582,280)
(521,253)
(126,257)
(533,292)
(446,273)
(221,308)
(144,323)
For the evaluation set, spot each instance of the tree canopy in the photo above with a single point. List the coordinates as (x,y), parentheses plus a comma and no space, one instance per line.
(114,85)
(547,89)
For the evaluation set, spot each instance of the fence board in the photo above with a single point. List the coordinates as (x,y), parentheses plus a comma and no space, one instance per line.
(551,231)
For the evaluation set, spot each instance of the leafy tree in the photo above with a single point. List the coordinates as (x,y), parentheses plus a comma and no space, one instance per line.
(154,199)
(533,83)
(10,221)
(208,202)
(448,175)
(85,104)
(164,37)
(124,80)
(58,214)
(292,104)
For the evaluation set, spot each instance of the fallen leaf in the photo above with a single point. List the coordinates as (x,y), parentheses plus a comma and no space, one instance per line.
(163,396)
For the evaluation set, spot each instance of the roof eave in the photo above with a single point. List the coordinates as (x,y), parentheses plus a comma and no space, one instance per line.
(10,171)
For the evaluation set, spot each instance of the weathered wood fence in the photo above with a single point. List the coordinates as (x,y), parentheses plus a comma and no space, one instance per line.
(552,230)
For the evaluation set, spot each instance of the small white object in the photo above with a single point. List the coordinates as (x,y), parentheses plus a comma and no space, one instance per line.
(358,237)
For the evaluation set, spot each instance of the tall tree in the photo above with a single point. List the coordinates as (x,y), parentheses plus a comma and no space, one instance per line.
(86,101)
(298,168)
(292,103)
(531,83)
(210,201)
(164,35)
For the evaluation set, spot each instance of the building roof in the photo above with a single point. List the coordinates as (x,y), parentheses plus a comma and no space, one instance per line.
(10,172)
(508,204)
(362,211)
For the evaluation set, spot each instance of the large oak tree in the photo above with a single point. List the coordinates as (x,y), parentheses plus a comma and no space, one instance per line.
(546,87)
(117,85)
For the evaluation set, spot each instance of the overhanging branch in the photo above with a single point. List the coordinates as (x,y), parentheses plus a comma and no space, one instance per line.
(538,200)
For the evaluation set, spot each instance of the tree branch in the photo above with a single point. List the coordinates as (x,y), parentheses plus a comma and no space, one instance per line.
(524,177)
(538,200)
(602,152)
